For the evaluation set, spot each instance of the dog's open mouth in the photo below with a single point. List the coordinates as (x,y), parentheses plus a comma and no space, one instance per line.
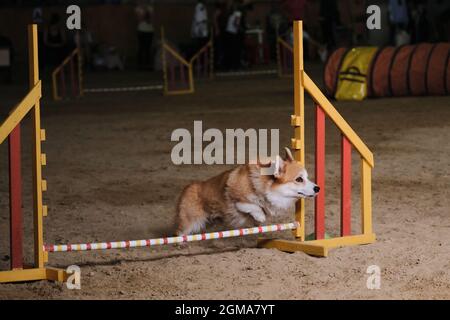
(306,195)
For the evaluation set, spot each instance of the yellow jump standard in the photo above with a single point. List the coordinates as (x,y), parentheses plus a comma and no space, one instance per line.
(320,246)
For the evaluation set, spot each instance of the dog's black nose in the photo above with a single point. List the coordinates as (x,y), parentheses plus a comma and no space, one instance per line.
(316,189)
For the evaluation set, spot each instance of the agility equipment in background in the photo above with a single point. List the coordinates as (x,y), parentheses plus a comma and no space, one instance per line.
(68,74)
(285,58)
(177,72)
(352,77)
(202,62)
(410,70)
(10,128)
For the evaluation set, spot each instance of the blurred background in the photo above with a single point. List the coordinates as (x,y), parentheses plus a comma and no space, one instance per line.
(130,30)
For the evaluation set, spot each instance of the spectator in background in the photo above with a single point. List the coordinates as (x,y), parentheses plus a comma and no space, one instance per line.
(233,41)
(145,32)
(55,40)
(219,26)
(245,9)
(199,29)
(399,18)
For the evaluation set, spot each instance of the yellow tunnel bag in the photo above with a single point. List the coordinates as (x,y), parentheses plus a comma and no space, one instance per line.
(352,79)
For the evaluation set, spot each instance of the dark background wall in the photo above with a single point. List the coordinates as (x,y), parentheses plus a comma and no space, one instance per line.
(115,24)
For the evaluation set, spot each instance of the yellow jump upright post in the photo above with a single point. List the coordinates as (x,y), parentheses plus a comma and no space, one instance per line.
(31,104)
(320,245)
(298,122)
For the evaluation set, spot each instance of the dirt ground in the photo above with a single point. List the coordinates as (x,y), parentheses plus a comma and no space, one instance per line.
(110,177)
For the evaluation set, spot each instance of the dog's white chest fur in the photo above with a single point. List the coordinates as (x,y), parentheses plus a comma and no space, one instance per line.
(279,201)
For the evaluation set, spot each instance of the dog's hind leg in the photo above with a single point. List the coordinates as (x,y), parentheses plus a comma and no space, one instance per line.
(191,217)
(192,226)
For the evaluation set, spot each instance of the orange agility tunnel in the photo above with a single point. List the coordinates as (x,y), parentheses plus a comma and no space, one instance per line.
(409,70)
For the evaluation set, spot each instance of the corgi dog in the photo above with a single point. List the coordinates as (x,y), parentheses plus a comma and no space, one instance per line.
(243,196)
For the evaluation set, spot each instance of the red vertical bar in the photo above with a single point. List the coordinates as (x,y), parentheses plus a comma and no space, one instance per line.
(63,83)
(15,199)
(72,77)
(346,186)
(320,173)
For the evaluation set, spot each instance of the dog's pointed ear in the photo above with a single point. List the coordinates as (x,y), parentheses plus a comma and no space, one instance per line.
(279,167)
(289,156)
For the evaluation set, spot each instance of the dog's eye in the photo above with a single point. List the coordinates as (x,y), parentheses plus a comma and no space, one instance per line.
(299,179)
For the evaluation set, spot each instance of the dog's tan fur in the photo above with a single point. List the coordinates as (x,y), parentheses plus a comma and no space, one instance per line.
(242,196)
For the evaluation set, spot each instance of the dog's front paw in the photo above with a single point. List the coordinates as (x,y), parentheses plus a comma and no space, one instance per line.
(253,210)
(258,216)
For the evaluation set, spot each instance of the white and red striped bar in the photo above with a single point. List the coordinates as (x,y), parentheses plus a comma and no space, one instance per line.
(160,241)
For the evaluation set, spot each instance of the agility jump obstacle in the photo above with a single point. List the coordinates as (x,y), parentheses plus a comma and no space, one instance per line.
(318,247)
(349,140)
(177,72)
(203,61)
(74,63)
(169,240)
(10,129)
(178,75)
(285,58)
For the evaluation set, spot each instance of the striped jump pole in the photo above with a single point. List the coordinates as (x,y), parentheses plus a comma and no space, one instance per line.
(169,240)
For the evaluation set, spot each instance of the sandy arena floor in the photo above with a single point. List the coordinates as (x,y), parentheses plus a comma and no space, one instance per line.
(110,177)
